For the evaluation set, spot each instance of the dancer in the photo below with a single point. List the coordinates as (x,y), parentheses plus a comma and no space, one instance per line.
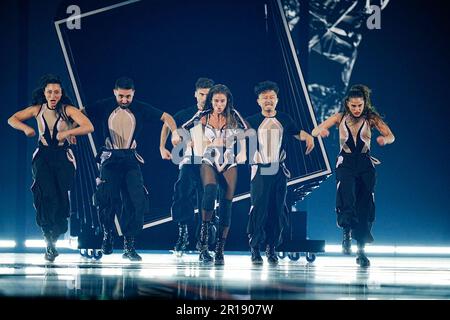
(189,185)
(269,174)
(355,168)
(222,126)
(120,188)
(53,163)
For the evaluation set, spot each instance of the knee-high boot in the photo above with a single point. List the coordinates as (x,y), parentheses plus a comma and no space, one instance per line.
(204,234)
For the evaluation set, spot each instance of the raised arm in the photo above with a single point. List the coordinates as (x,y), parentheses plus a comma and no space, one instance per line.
(165,154)
(387,137)
(84,125)
(322,129)
(16,120)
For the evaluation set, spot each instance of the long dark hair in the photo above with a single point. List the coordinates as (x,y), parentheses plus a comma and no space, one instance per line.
(228,112)
(38,96)
(361,91)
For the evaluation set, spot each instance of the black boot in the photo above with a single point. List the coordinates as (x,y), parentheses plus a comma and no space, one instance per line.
(54,240)
(107,244)
(271,254)
(361,258)
(203,243)
(183,239)
(129,250)
(347,242)
(218,258)
(50,252)
(256,256)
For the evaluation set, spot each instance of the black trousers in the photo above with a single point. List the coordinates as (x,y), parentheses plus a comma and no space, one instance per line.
(268,214)
(188,193)
(53,172)
(121,191)
(355,206)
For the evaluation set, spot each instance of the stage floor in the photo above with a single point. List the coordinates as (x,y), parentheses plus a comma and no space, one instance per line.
(161,275)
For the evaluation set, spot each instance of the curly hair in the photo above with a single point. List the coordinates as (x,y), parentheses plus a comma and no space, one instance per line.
(38,96)
(361,91)
(266,86)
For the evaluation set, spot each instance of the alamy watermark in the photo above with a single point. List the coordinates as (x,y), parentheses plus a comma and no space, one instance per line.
(374,20)
(74,20)
(228,149)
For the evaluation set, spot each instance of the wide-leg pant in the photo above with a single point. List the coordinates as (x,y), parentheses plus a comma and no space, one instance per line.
(188,189)
(121,191)
(53,170)
(355,205)
(268,213)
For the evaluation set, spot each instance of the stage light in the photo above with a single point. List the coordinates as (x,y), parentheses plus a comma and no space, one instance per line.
(394,249)
(69,244)
(7,244)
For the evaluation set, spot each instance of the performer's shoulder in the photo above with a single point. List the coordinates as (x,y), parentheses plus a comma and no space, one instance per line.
(254,116)
(187,112)
(141,103)
(105,100)
(284,115)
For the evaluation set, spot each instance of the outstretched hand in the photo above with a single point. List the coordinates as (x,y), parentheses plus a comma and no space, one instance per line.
(309,144)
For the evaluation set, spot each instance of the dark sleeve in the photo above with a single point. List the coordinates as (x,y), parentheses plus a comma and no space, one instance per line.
(193,120)
(290,126)
(180,118)
(151,113)
(93,111)
(96,113)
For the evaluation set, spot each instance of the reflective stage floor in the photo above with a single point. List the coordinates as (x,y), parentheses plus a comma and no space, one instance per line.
(161,275)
